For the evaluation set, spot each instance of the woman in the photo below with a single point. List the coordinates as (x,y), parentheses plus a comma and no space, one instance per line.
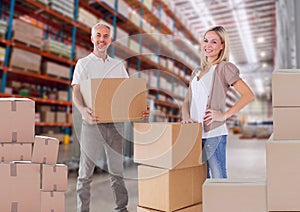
(205,98)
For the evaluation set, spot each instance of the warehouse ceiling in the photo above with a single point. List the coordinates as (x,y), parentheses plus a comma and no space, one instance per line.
(251,28)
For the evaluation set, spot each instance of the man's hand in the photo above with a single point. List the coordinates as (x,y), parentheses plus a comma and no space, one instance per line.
(87,114)
(213,115)
(146,113)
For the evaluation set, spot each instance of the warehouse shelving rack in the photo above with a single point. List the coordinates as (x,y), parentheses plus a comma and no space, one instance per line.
(17,73)
(79,35)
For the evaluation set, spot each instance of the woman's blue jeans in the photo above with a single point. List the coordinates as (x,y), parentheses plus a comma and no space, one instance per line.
(214,153)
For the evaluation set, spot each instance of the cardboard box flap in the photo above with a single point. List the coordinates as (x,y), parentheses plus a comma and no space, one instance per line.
(11,99)
(237,181)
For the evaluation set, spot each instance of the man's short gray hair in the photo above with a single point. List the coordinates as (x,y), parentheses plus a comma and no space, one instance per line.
(101,23)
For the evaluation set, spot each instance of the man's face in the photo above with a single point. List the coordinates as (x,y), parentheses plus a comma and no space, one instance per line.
(101,39)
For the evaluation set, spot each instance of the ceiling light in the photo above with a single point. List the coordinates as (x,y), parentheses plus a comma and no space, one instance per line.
(244,29)
(263,54)
(260,40)
(264,65)
(207,20)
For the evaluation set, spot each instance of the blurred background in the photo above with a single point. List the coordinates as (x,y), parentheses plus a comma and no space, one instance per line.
(159,40)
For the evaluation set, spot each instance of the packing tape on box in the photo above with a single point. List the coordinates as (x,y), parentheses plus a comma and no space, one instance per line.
(46,141)
(14,137)
(14,207)
(14,106)
(13,170)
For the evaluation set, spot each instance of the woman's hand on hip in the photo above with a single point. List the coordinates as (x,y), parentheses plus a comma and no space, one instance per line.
(213,115)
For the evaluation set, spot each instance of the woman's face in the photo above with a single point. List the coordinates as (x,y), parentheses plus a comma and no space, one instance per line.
(211,46)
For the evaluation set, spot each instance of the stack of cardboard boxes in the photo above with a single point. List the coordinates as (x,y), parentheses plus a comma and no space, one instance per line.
(283,148)
(281,190)
(29,35)
(30,178)
(171,173)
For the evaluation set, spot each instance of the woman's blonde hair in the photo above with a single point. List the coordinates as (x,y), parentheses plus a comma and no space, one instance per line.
(224,53)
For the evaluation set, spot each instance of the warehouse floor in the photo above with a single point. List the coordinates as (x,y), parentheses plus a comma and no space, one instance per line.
(246,158)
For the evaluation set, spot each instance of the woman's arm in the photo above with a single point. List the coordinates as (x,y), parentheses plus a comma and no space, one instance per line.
(246,97)
(186,108)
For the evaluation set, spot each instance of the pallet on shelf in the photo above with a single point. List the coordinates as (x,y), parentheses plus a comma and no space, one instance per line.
(25,60)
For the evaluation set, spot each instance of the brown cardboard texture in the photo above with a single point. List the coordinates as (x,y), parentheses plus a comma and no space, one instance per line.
(285,87)
(15,151)
(286,123)
(193,208)
(52,201)
(20,187)
(115,99)
(17,120)
(168,145)
(235,195)
(54,177)
(170,190)
(45,150)
(283,174)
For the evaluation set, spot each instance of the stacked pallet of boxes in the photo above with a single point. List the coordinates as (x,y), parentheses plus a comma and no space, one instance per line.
(25,185)
(3,28)
(86,18)
(283,148)
(58,48)
(170,175)
(2,56)
(29,35)
(65,7)
(54,69)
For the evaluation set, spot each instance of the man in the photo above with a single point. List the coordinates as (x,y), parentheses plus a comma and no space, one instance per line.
(97,139)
